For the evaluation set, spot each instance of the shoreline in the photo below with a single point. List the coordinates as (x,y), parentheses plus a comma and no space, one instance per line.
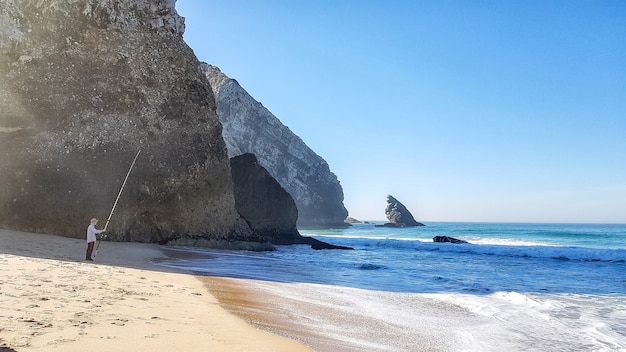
(257,308)
(52,300)
(343,319)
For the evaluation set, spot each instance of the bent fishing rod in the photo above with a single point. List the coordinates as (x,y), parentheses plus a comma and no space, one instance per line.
(117,199)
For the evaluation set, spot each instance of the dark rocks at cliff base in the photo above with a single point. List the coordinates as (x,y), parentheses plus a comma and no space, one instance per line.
(317,244)
(252,243)
(249,127)
(83,87)
(398,215)
(267,208)
(448,239)
(351,220)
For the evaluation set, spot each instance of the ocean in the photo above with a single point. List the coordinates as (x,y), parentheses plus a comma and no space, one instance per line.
(515,287)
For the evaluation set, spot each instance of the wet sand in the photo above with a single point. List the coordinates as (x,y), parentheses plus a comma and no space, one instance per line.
(343,319)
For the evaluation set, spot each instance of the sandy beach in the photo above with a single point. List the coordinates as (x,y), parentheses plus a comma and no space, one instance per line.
(51,299)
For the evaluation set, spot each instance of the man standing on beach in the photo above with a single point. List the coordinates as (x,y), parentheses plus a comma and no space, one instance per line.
(91,237)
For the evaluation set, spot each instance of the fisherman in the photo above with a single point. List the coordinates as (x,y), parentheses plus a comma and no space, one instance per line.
(91,237)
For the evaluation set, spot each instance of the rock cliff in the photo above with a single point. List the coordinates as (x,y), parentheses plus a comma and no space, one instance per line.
(84,85)
(251,128)
(267,208)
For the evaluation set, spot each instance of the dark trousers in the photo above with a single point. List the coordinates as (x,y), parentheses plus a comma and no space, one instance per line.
(89,250)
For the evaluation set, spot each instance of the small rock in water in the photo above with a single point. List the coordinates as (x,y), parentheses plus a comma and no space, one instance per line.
(447,239)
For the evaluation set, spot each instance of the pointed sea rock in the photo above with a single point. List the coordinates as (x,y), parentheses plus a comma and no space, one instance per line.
(398,215)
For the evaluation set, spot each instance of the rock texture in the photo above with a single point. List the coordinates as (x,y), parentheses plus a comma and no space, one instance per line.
(251,128)
(84,84)
(448,239)
(398,215)
(268,209)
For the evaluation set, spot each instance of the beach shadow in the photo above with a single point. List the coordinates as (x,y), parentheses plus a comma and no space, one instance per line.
(120,254)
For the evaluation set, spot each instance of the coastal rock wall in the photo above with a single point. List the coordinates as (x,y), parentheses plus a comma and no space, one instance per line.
(251,128)
(84,85)
(268,209)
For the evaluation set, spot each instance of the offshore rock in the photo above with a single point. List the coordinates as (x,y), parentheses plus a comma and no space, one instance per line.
(250,128)
(84,85)
(221,243)
(398,215)
(448,239)
(268,209)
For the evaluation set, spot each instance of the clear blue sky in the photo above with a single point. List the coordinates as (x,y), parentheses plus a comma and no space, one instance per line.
(510,111)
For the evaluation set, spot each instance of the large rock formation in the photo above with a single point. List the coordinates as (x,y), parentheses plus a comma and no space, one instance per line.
(250,128)
(84,84)
(269,210)
(398,215)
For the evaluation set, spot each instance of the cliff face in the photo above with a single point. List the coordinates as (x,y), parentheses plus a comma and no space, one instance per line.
(268,209)
(84,85)
(251,128)
(265,206)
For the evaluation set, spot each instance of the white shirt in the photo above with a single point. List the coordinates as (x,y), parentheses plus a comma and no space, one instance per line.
(91,233)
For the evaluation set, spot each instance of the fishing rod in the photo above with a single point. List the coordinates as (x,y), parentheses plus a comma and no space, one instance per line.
(117,199)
